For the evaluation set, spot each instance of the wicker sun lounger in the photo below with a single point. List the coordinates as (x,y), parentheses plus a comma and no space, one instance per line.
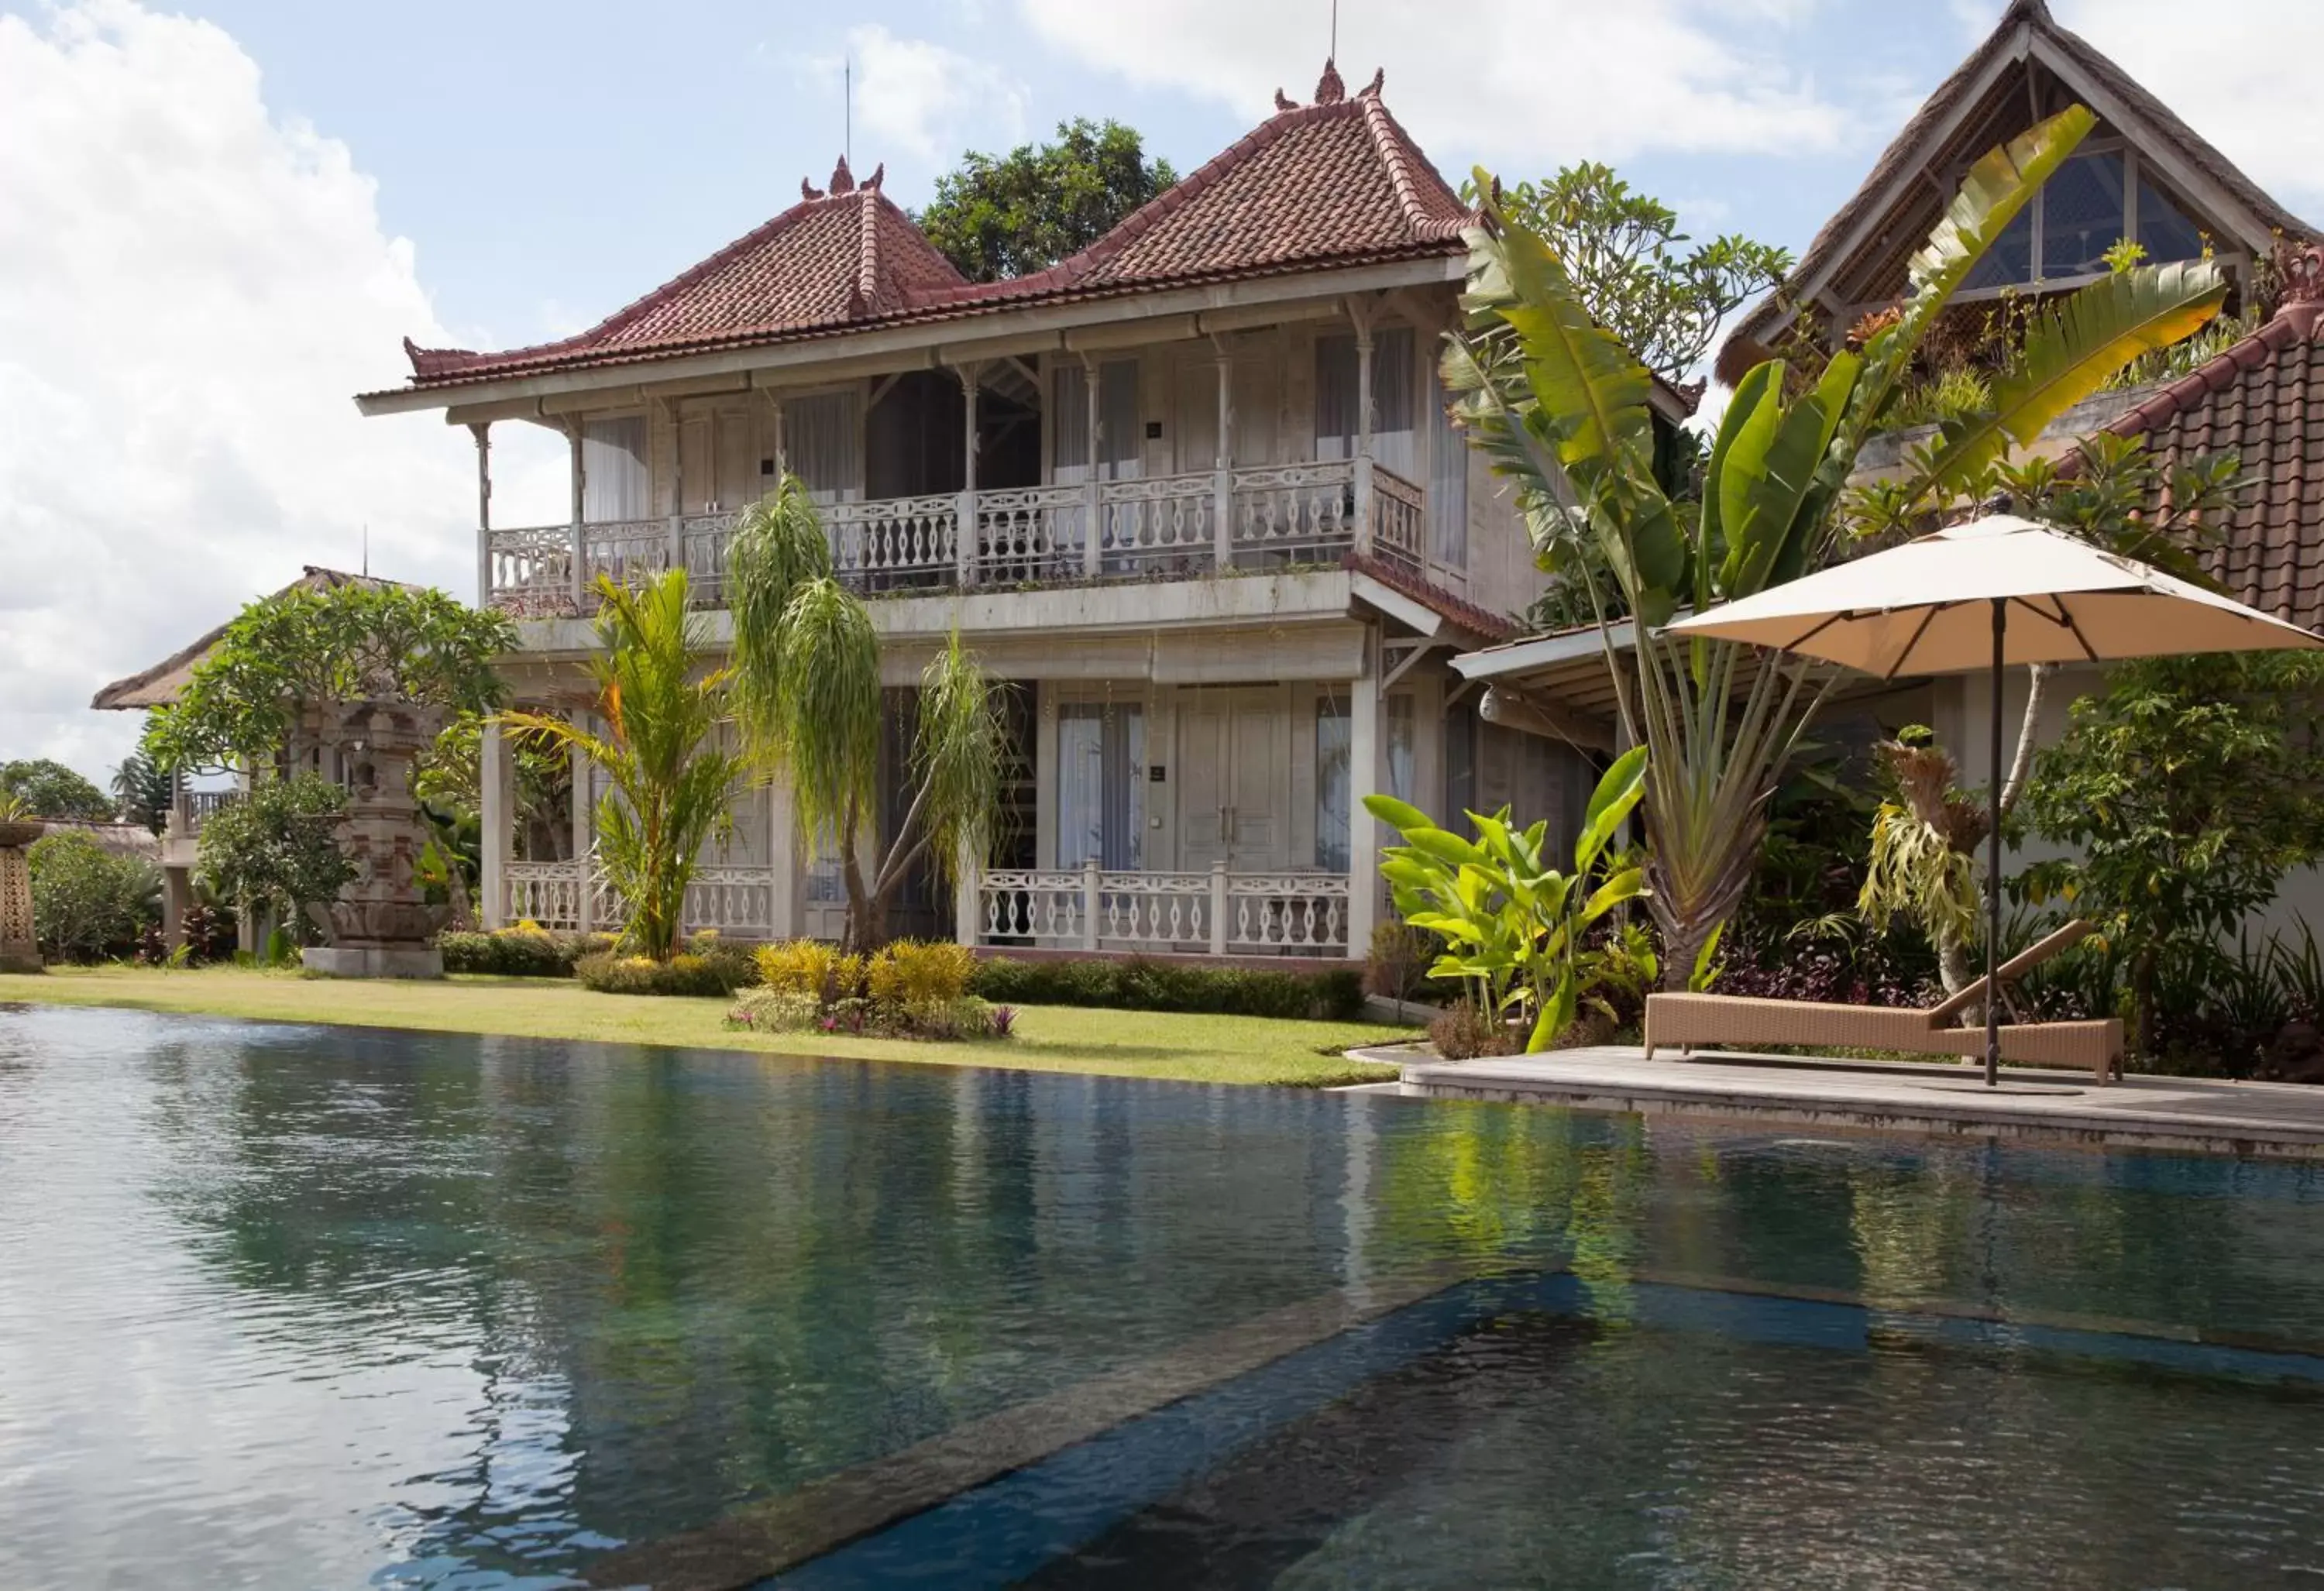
(1685,1021)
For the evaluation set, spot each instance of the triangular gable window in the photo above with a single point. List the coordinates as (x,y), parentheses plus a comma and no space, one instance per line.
(2094,200)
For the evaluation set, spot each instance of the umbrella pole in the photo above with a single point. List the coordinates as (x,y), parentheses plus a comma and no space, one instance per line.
(1993,863)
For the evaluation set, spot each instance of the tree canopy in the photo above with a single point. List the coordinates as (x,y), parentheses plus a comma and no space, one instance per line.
(47,789)
(346,643)
(1001,216)
(277,849)
(1650,284)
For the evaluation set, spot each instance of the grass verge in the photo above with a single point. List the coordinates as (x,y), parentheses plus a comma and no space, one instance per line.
(1049,1038)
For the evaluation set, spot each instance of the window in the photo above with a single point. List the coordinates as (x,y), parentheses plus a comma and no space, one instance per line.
(822,438)
(1337,374)
(1400,748)
(1101,785)
(1120,443)
(2097,197)
(1334,742)
(614,478)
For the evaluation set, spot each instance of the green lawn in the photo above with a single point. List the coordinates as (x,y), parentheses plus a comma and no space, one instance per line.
(1048,1038)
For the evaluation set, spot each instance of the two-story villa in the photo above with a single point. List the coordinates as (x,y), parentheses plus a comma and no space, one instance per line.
(1193,491)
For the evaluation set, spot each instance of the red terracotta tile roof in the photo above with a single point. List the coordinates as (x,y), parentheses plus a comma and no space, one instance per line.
(1335,183)
(1482,622)
(2262,400)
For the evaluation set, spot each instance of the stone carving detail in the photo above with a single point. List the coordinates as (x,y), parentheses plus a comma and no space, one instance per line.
(19,951)
(380,926)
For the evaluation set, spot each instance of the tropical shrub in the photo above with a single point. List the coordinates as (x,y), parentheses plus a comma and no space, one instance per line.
(669,782)
(810,966)
(2187,789)
(89,903)
(910,973)
(715,973)
(278,850)
(519,952)
(1512,924)
(1141,984)
(1466,1030)
(1396,968)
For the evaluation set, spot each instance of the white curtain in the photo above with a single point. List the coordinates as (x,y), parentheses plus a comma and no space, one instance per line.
(616,480)
(1333,744)
(1101,785)
(1400,747)
(1069,424)
(1337,423)
(1448,484)
(823,437)
(1120,437)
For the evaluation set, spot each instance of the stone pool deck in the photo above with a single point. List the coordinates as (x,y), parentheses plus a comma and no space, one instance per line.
(2201,1115)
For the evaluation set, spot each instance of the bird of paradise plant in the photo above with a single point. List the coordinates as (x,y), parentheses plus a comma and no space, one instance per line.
(1560,406)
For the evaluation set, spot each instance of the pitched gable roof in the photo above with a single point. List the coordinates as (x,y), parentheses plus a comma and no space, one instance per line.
(2262,400)
(1953,127)
(160,685)
(1332,184)
(845,255)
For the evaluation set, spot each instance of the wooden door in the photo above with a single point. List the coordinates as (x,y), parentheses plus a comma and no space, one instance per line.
(1235,779)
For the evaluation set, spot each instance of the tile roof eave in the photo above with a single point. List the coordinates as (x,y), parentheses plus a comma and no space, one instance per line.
(936,312)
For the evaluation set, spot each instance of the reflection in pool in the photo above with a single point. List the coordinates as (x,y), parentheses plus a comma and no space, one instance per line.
(295,1306)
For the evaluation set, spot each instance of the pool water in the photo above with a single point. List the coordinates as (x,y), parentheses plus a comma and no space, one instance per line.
(285,1306)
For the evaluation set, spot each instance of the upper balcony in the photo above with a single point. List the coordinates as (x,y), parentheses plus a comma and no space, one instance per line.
(1167,527)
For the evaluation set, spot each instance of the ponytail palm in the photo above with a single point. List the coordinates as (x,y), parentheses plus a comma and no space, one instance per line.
(1560,406)
(807,684)
(671,782)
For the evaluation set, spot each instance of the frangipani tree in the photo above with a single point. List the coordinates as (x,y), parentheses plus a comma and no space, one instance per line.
(807,692)
(1560,406)
(670,779)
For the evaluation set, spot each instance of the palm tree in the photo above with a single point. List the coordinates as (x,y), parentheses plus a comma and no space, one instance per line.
(807,692)
(1560,406)
(671,781)
(144,790)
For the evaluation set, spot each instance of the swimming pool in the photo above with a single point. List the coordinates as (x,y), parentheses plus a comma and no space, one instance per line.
(296,1306)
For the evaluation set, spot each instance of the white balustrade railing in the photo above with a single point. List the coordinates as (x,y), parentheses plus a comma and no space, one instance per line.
(1214,913)
(1030,534)
(737,901)
(1160,526)
(1400,521)
(1294,513)
(895,543)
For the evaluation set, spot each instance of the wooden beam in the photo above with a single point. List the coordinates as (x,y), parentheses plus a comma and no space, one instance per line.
(1537,715)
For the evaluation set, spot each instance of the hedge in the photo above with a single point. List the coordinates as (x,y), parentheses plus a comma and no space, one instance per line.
(519,952)
(716,971)
(1138,984)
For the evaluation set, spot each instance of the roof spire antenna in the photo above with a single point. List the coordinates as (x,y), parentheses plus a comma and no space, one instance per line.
(847,110)
(367,549)
(1334,55)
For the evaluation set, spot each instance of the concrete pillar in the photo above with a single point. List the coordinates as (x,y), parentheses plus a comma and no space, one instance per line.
(1363,779)
(492,774)
(484,435)
(584,841)
(177,899)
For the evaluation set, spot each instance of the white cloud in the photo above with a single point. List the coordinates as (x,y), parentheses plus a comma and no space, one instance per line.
(194,290)
(2245,78)
(922,99)
(1514,78)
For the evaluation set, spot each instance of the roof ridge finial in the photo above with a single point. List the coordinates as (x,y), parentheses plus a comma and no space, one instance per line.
(1371,90)
(871,184)
(1329,89)
(843,180)
(808,190)
(1284,102)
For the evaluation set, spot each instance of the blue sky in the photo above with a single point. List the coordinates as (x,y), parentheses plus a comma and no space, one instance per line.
(546,179)
(219,222)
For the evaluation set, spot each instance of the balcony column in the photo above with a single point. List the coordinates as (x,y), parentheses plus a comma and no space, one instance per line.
(1093,502)
(577,473)
(1223,465)
(674,544)
(484,434)
(965,526)
(1363,779)
(493,775)
(585,843)
(1360,495)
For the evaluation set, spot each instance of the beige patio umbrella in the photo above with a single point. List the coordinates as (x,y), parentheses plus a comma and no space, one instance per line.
(1994,592)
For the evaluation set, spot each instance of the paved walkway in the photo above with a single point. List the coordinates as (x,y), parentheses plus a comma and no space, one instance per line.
(2201,1114)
